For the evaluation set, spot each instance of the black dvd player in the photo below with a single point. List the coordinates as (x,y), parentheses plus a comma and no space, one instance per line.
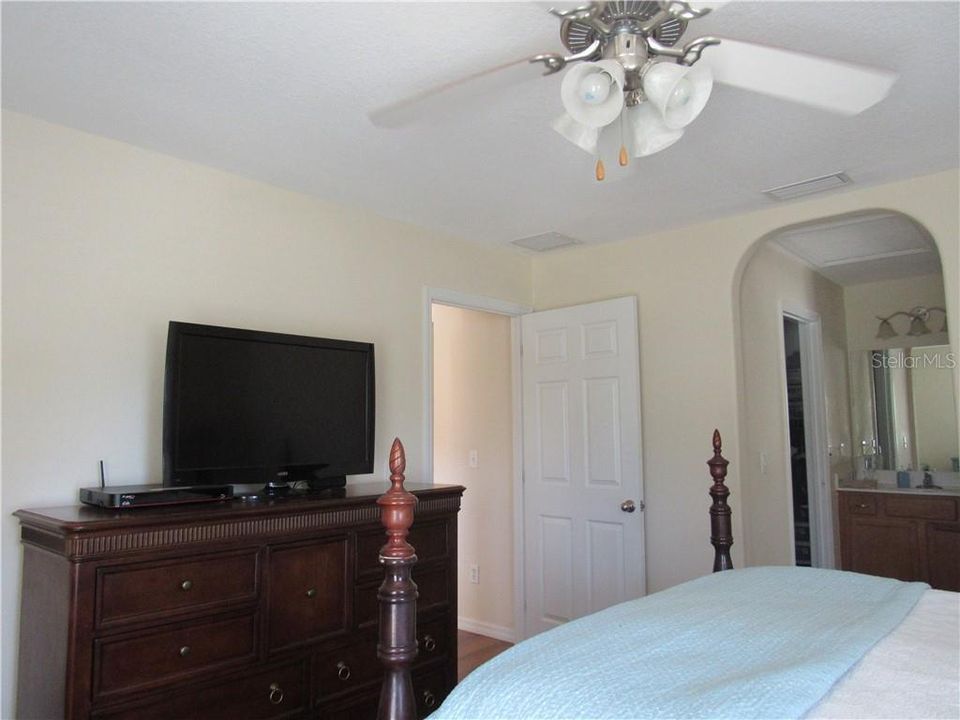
(133,496)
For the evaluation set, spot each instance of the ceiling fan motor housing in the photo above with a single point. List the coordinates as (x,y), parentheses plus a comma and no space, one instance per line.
(630,50)
(624,16)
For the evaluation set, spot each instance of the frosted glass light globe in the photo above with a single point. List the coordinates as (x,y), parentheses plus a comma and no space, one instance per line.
(595,88)
(681,94)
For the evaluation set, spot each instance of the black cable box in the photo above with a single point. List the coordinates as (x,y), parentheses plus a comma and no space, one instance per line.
(134,496)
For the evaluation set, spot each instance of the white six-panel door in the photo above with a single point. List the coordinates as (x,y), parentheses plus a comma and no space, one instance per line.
(583,547)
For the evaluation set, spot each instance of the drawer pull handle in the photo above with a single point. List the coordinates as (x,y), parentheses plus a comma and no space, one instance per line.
(343,670)
(276,694)
(186,585)
(429,644)
(429,699)
(311,593)
(184,651)
(863,506)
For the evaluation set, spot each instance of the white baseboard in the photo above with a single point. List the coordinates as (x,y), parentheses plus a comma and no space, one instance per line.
(499,632)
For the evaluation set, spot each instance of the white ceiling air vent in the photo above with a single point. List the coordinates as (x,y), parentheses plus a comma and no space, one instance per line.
(808,187)
(545,241)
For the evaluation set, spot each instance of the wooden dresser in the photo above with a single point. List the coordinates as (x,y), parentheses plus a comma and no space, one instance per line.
(229,609)
(907,536)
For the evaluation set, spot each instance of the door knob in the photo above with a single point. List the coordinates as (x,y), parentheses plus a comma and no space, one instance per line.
(628,506)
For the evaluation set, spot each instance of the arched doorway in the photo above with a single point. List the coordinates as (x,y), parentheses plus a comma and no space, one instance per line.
(807,300)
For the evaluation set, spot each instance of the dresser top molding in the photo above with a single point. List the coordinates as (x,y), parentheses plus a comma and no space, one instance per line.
(83,532)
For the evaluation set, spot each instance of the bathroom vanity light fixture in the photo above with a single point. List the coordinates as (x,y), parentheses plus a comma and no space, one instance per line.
(918,322)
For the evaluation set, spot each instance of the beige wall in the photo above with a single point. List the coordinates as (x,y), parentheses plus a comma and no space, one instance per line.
(773,283)
(866,301)
(685,281)
(103,243)
(472,410)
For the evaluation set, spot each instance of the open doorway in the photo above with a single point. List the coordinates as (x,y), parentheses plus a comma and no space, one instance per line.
(807,457)
(472,441)
(496,525)
(799,479)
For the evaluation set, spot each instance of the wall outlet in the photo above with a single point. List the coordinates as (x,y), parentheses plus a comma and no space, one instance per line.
(475,574)
(473,459)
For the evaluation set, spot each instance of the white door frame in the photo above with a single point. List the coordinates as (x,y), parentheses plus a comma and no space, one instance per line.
(815,433)
(512,310)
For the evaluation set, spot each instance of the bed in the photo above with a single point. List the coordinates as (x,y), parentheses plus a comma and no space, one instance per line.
(749,643)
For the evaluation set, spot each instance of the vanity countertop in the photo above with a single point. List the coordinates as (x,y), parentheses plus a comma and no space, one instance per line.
(863,487)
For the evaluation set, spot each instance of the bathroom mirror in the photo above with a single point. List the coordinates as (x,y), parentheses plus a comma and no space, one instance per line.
(902,408)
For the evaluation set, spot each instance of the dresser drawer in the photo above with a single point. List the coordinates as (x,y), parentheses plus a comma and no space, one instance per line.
(433,639)
(433,589)
(348,668)
(129,593)
(359,707)
(429,539)
(278,692)
(144,660)
(307,592)
(430,688)
(352,666)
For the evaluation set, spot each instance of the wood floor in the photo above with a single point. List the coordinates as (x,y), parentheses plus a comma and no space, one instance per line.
(474,650)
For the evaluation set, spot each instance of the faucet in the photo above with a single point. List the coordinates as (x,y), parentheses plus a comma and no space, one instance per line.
(928,481)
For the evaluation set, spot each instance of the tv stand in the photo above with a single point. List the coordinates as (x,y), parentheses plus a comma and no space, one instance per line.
(226,610)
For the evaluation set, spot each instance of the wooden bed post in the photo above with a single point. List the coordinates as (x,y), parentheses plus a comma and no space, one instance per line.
(721,532)
(397,648)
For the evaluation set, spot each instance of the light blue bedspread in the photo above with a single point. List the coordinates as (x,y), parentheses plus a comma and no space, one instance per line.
(757,643)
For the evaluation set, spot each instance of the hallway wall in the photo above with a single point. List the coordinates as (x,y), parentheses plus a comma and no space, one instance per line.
(472,410)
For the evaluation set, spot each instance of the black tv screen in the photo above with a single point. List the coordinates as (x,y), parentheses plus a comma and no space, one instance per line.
(243,406)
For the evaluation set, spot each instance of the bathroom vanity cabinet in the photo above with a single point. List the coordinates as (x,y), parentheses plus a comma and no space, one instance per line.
(912,535)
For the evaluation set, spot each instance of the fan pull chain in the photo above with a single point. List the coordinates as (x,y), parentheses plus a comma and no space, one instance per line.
(601,171)
(624,156)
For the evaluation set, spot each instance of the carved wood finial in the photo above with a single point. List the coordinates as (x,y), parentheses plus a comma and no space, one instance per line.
(397,648)
(397,507)
(721,532)
(398,462)
(718,465)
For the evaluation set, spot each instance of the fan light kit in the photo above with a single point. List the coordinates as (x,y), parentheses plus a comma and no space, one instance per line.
(632,89)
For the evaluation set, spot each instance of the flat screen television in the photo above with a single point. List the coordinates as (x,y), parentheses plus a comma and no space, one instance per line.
(244,406)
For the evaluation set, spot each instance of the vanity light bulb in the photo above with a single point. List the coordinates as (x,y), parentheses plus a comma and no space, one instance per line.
(595,88)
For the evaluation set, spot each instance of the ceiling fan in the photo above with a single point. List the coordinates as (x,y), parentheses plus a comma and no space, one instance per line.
(633,86)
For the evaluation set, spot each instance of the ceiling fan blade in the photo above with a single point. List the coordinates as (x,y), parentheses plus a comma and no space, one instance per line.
(455,93)
(832,85)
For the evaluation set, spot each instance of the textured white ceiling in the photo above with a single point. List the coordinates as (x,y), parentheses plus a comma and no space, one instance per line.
(863,247)
(280,92)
